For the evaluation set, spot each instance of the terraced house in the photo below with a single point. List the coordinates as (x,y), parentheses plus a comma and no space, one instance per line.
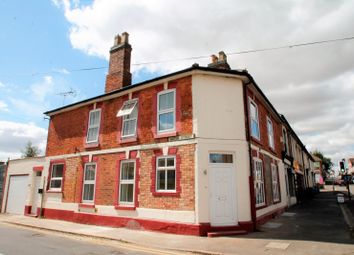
(191,152)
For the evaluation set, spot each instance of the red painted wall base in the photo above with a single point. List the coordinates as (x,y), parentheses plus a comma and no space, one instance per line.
(132,223)
(271,215)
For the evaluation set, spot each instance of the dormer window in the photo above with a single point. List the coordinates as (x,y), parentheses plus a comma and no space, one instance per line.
(129,113)
(93,126)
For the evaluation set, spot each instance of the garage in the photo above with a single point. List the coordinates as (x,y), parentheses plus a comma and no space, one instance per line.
(17,194)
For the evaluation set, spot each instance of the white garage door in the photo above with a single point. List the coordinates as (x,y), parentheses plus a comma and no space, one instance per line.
(17,194)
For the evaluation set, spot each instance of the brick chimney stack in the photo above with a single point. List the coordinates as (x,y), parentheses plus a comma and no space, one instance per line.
(119,64)
(219,62)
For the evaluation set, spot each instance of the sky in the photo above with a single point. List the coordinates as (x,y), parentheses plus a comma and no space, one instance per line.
(44,44)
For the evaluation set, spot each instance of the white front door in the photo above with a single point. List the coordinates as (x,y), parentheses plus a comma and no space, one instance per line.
(17,194)
(223,211)
(36,197)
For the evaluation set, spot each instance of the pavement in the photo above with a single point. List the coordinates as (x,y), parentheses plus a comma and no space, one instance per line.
(316,226)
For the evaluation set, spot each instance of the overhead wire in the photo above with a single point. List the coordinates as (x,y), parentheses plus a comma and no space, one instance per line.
(290,46)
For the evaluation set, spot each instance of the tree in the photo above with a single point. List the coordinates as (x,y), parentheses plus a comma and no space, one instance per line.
(30,151)
(326,163)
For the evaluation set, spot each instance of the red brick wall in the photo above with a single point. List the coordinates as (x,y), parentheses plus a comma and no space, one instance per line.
(185,201)
(106,180)
(263,113)
(67,130)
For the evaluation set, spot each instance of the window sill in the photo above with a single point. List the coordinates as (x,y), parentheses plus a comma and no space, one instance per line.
(128,139)
(91,145)
(167,134)
(276,202)
(86,205)
(54,191)
(261,207)
(166,194)
(126,208)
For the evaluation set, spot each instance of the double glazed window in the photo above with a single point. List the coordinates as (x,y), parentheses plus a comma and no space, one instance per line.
(127,182)
(166,173)
(258,182)
(275,183)
(166,112)
(270,133)
(93,126)
(129,112)
(88,193)
(56,178)
(254,120)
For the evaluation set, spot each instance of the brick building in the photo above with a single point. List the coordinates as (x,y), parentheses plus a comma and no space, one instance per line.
(191,152)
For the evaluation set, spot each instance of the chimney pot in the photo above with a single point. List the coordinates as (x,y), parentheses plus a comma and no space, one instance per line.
(214,59)
(222,56)
(125,38)
(117,40)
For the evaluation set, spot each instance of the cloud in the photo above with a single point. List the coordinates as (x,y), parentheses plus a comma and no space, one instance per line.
(61,70)
(42,89)
(311,85)
(14,136)
(2,85)
(3,106)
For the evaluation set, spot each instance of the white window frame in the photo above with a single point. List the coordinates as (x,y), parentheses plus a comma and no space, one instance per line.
(275,183)
(89,182)
(159,112)
(122,112)
(260,181)
(94,126)
(127,114)
(126,182)
(251,102)
(270,131)
(56,178)
(166,169)
(285,140)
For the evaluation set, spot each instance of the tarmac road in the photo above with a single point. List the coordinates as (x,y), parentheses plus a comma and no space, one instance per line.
(15,240)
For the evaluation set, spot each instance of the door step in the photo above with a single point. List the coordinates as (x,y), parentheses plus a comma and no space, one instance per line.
(227,233)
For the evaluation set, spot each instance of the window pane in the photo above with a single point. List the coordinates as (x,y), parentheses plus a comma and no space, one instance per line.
(253,111)
(254,128)
(57,170)
(220,158)
(129,127)
(171,180)
(170,161)
(166,121)
(127,171)
(55,184)
(160,180)
(90,172)
(166,101)
(128,105)
(88,192)
(161,162)
(126,192)
(92,134)
(94,118)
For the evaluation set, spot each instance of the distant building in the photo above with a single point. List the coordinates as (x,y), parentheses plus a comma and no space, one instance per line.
(2,175)
(318,170)
(351,166)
